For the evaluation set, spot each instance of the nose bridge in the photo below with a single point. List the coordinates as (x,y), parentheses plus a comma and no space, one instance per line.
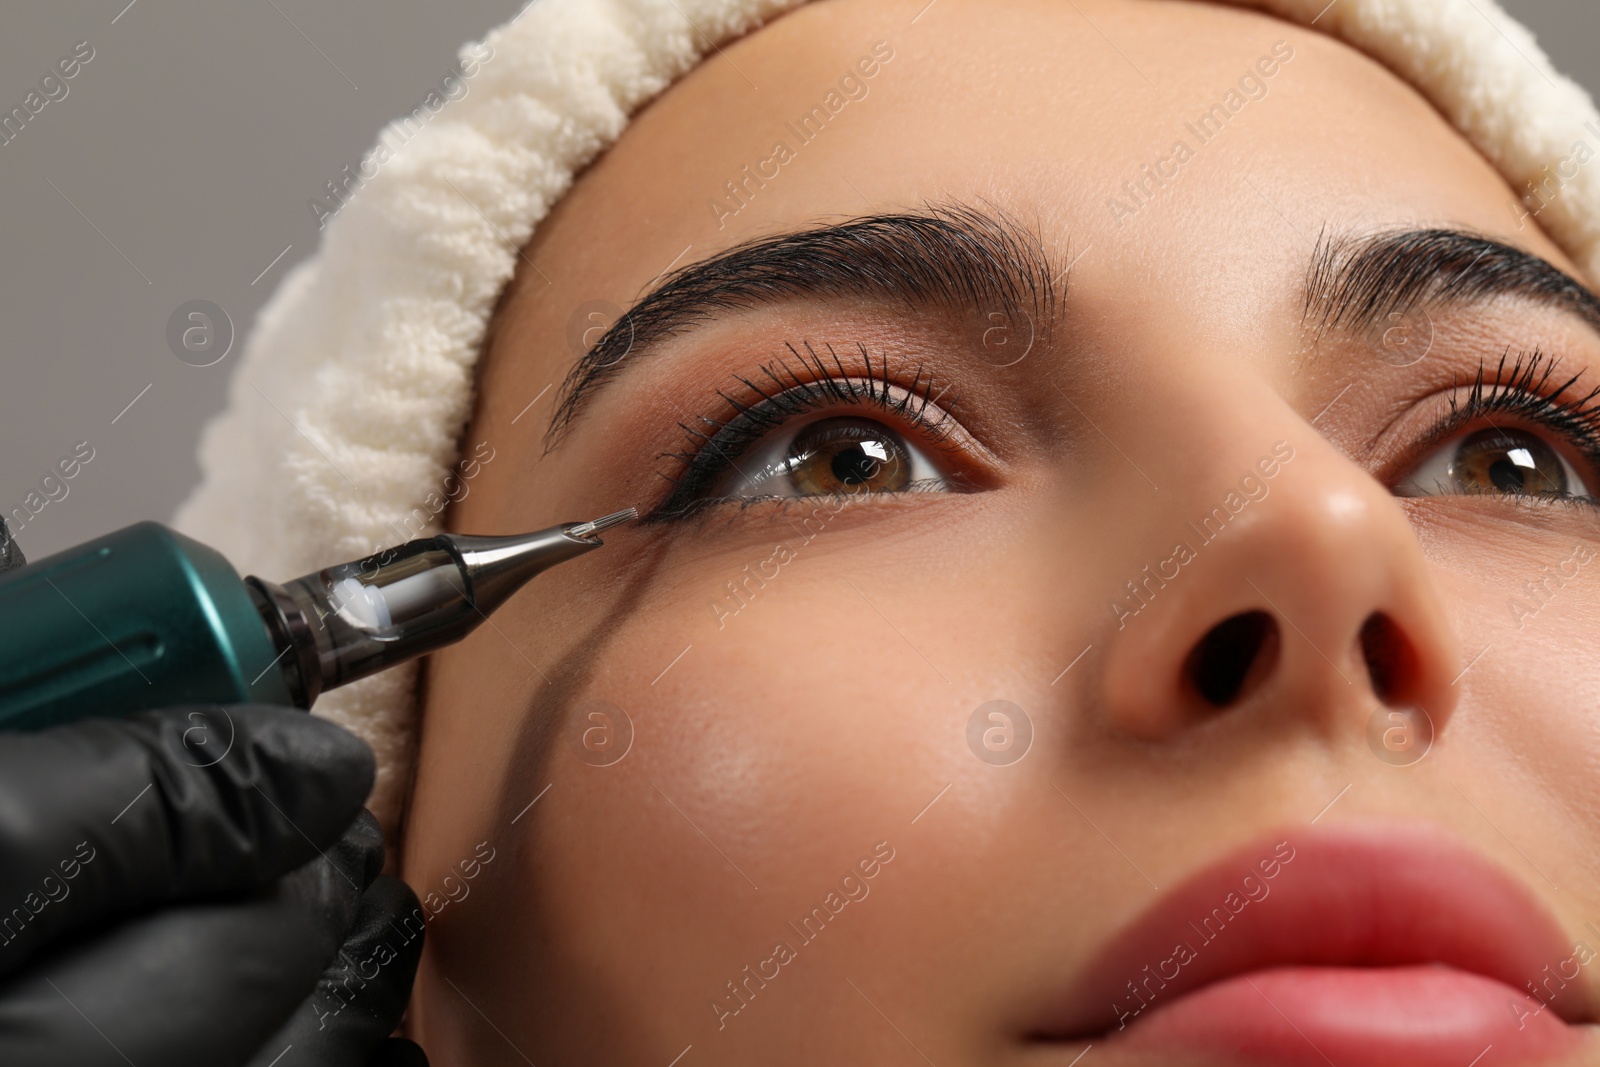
(1294,577)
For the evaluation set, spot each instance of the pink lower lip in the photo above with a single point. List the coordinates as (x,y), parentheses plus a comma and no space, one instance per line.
(1420,1016)
(1350,903)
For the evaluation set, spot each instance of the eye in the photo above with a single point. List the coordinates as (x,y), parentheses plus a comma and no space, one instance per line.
(1510,461)
(825,425)
(831,456)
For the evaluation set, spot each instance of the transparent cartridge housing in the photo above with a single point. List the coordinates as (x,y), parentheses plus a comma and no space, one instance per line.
(355,619)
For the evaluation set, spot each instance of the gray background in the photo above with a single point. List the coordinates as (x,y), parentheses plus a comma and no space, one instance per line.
(192,142)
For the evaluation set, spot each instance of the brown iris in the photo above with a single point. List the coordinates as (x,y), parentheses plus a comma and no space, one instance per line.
(847,456)
(1507,461)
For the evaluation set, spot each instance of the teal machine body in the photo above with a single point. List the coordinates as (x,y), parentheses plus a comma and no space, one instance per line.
(140,618)
(147,618)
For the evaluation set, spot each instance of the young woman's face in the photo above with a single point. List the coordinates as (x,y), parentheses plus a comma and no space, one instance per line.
(1086,600)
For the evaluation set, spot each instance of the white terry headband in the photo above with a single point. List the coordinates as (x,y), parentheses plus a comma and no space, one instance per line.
(344,415)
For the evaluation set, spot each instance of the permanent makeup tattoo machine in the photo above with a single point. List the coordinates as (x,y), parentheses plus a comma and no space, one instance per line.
(147,618)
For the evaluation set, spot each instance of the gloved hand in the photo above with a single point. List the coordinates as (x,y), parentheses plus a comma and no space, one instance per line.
(187,886)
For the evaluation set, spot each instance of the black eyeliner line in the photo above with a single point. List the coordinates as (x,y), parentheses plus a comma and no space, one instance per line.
(752,420)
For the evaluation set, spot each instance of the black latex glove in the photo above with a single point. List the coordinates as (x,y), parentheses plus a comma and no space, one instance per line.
(198,886)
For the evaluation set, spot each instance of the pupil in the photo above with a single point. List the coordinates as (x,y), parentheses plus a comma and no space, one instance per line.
(852,466)
(1507,476)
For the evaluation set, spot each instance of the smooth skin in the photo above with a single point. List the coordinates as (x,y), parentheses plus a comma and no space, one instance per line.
(773,750)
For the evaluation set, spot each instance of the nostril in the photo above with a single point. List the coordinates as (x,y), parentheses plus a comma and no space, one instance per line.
(1232,656)
(1391,661)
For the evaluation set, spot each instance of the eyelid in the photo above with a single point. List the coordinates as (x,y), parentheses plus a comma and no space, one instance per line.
(1518,396)
(954,441)
(903,388)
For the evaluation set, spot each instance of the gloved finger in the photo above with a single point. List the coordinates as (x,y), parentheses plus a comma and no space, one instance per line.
(193,984)
(359,999)
(398,1052)
(103,816)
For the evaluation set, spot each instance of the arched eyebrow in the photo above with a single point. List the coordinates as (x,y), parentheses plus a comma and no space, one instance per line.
(947,258)
(1356,281)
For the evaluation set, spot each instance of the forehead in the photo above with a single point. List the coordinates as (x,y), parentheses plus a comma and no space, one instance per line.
(1189,152)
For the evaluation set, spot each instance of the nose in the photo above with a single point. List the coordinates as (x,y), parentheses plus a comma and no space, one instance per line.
(1297,588)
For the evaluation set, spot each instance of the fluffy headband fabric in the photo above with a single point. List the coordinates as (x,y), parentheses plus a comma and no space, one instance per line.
(344,416)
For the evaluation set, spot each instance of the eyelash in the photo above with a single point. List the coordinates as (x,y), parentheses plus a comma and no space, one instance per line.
(715,448)
(1526,393)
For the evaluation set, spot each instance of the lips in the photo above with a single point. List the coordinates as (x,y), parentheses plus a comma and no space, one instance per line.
(1365,946)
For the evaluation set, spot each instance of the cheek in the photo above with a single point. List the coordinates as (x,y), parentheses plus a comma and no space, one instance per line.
(1526,739)
(765,763)
(1537,686)
(784,747)
(773,746)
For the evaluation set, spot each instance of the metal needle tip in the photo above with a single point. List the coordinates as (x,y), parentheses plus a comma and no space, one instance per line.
(604,522)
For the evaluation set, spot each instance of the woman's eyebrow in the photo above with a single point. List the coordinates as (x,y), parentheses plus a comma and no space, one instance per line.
(1359,281)
(946,258)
